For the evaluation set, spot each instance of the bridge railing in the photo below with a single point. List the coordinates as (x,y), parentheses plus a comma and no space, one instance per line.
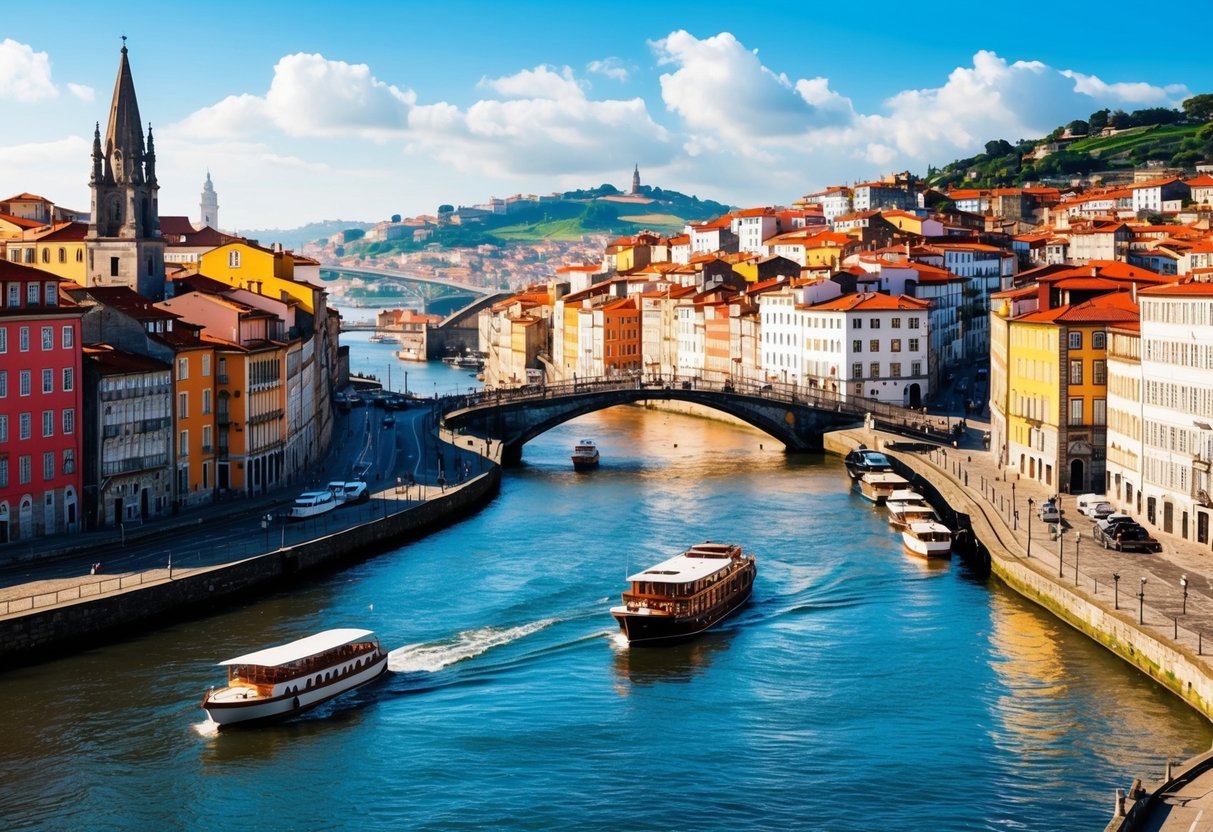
(889,415)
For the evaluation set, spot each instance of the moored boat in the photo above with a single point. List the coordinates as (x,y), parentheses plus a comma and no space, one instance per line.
(281,681)
(927,539)
(681,597)
(864,460)
(878,485)
(585,455)
(906,506)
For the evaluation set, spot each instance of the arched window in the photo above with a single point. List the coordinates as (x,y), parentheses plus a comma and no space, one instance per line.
(62,254)
(46,255)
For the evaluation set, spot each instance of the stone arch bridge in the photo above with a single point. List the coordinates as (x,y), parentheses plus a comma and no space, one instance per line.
(796,416)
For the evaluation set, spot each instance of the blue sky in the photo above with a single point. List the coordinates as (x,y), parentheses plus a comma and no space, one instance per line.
(305,111)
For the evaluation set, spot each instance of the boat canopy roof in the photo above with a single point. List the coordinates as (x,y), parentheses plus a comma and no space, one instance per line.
(303,648)
(928,527)
(695,563)
(885,477)
(905,495)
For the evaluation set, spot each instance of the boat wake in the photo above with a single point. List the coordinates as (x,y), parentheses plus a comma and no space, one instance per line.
(430,658)
(206,728)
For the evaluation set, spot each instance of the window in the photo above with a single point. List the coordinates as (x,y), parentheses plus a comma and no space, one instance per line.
(874,323)
(895,345)
(206,365)
(14,289)
(1076,371)
(206,438)
(1075,340)
(23,475)
(183,448)
(48,423)
(48,338)
(1099,340)
(3,428)
(113,267)
(24,383)
(23,339)
(3,339)
(896,324)
(3,384)
(206,402)
(1075,411)
(915,368)
(183,405)
(1099,371)
(857,323)
(69,461)
(857,345)
(874,369)
(69,337)
(51,295)
(895,369)
(69,379)
(1099,412)
(914,346)
(46,255)
(48,465)
(4,472)
(914,322)
(183,369)
(31,293)
(857,370)
(48,380)
(874,345)
(233,259)
(69,421)
(62,254)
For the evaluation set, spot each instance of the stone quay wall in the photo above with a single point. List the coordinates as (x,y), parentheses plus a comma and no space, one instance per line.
(53,630)
(983,537)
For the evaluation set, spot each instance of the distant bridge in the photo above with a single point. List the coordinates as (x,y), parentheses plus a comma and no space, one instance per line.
(451,286)
(796,416)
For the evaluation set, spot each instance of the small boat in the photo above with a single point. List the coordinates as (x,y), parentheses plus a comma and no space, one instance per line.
(681,597)
(878,485)
(864,460)
(282,681)
(471,360)
(585,455)
(312,503)
(381,338)
(928,539)
(908,506)
(411,354)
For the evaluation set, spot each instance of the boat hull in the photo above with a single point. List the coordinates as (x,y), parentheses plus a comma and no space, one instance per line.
(648,629)
(926,548)
(585,463)
(255,711)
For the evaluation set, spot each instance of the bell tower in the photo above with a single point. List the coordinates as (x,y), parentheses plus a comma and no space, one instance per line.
(208,207)
(636,180)
(123,241)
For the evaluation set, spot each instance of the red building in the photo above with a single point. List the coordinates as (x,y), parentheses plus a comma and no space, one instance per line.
(40,402)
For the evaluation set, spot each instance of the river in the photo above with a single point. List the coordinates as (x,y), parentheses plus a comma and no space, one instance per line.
(862,688)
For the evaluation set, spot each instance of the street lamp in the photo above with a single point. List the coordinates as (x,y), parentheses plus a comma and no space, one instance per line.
(1077,541)
(1031,503)
(1116,587)
(1141,602)
(1061,545)
(265,524)
(1183,581)
(1014,512)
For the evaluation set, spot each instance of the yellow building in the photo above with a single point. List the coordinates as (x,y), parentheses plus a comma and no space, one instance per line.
(194,387)
(57,249)
(828,249)
(269,272)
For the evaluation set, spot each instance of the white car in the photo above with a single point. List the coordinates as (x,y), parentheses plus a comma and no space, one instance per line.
(1049,512)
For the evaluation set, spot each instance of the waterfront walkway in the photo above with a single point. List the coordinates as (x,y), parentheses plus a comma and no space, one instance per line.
(1166,596)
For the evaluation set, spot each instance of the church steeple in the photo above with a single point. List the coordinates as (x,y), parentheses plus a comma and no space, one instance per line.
(123,242)
(208,205)
(636,179)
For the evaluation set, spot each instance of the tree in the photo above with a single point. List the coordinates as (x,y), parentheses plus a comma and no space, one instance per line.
(446,209)
(1001,147)
(1199,108)
(395,218)
(1078,127)
(1098,120)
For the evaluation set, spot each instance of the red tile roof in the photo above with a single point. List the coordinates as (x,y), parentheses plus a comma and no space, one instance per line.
(874,302)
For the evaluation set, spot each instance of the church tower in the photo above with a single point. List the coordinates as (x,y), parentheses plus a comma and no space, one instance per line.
(123,241)
(636,180)
(209,205)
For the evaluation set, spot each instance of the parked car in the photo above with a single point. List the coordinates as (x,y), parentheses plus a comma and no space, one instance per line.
(1087,502)
(1049,512)
(1125,536)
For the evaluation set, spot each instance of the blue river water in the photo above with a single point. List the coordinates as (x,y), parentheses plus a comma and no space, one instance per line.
(862,689)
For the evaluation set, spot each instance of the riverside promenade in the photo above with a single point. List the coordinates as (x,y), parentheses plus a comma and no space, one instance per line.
(1153,610)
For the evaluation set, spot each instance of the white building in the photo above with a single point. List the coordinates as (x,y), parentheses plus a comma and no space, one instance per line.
(752,227)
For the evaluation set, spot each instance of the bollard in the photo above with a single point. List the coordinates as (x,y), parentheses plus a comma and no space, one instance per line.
(1119,807)
(1169,770)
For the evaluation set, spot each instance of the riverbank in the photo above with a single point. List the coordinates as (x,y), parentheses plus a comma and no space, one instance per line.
(90,611)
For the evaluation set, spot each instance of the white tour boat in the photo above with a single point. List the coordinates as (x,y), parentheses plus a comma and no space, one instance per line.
(927,539)
(907,506)
(878,485)
(349,492)
(312,503)
(282,681)
(585,454)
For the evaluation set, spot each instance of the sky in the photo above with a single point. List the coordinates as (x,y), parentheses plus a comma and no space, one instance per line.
(304,111)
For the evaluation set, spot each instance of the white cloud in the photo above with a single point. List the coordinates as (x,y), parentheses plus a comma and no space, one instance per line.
(57,170)
(612,68)
(1131,95)
(540,82)
(25,75)
(311,95)
(81,91)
